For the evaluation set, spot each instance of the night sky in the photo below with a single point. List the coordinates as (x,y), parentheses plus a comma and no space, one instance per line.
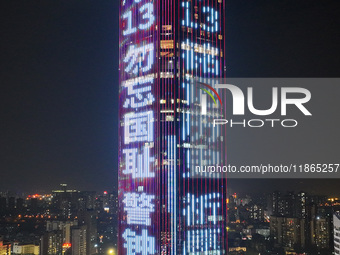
(59,81)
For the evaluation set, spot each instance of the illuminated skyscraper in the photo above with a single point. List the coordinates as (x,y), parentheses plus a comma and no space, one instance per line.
(164,208)
(336,229)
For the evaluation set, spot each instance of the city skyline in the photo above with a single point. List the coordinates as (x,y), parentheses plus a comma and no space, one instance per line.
(327,187)
(60,101)
(60,219)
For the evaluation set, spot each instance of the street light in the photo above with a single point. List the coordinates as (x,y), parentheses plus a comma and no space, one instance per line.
(111,251)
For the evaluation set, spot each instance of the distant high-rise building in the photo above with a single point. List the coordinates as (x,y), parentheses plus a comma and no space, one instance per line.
(3,205)
(65,202)
(336,229)
(88,218)
(165,208)
(23,249)
(275,202)
(5,248)
(51,243)
(57,237)
(33,205)
(78,235)
(11,204)
(301,205)
(87,200)
(79,240)
(256,212)
(289,204)
(20,205)
(288,232)
(311,213)
(113,204)
(61,225)
(321,233)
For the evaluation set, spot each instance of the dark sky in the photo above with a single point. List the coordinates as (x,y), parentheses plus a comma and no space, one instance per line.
(59,80)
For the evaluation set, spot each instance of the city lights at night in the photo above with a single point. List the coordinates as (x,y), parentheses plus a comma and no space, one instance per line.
(161,127)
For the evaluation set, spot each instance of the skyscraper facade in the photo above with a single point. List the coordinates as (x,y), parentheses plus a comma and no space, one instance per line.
(164,207)
(336,229)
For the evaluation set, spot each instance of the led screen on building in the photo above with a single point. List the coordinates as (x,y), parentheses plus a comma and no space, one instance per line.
(164,209)
(137,172)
